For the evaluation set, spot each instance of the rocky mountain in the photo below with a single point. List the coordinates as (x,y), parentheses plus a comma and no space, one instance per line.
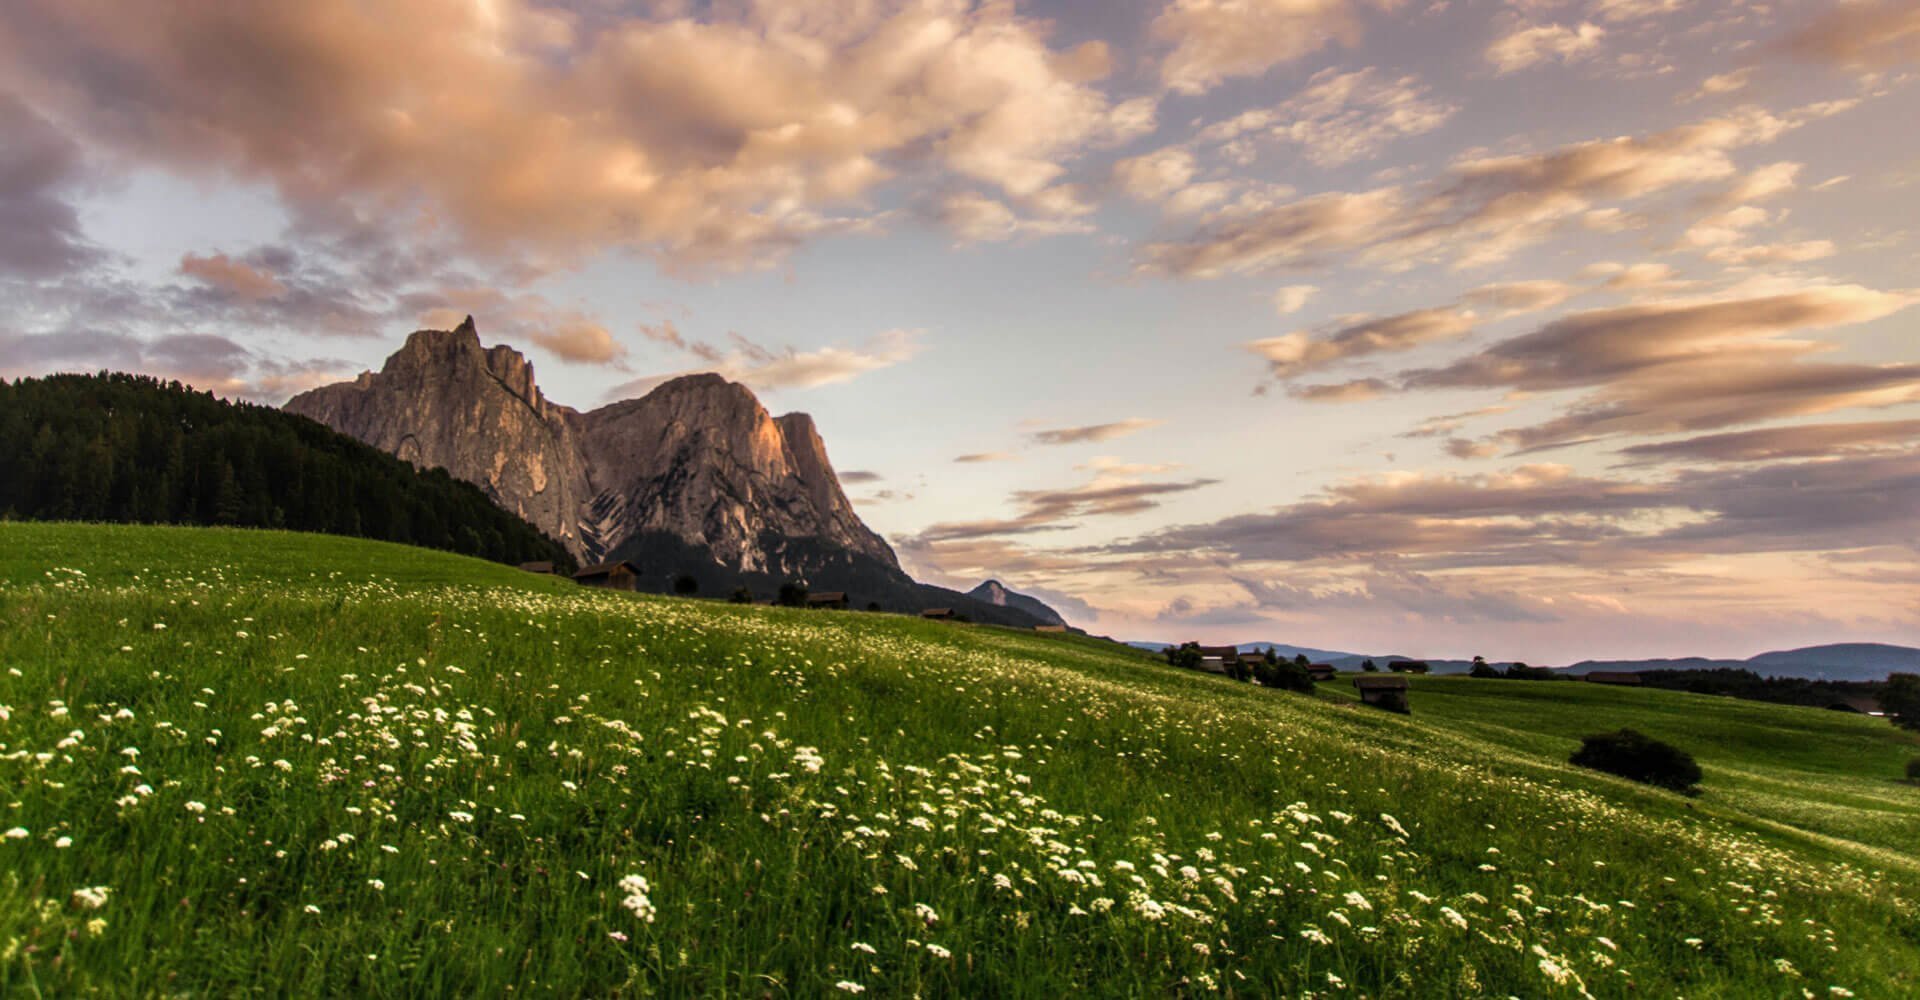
(995,593)
(694,478)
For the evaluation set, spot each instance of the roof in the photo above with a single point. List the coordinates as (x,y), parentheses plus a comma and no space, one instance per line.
(537,567)
(607,569)
(827,597)
(1223,652)
(937,613)
(1049,628)
(1319,666)
(1380,683)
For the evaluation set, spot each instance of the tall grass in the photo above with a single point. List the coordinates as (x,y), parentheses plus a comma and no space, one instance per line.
(253,762)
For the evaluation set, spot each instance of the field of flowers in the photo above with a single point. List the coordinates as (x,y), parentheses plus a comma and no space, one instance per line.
(251,762)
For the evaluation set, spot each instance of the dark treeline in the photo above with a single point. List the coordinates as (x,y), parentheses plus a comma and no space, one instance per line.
(128,448)
(1749,685)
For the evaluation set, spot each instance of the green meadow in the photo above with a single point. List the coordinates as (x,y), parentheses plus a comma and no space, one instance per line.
(259,763)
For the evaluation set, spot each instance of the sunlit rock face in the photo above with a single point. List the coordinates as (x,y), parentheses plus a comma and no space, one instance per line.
(698,459)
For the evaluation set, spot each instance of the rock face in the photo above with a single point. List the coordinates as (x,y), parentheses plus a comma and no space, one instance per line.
(696,465)
(995,593)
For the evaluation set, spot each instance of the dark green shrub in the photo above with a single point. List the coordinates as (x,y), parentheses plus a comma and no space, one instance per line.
(1285,675)
(793,594)
(685,585)
(1639,757)
(741,595)
(1913,769)
(1900,699)
(1482,669)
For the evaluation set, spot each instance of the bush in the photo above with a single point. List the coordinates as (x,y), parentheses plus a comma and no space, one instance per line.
(741,595)
(1913,769)
(793,595)
(1639,757)
(1522,672)
(1900,699)
(1285,675)
(1482,669)
(685,585)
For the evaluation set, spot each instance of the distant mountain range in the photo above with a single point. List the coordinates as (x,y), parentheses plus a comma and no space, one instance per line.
(693,479)
(1845,661)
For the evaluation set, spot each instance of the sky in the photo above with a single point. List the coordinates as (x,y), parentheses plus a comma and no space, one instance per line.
(1535,329)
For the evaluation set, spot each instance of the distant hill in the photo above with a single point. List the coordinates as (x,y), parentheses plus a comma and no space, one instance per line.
(995,593)
(129,448)
(1845,661)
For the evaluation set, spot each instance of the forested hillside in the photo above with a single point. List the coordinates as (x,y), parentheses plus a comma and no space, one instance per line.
(116,447)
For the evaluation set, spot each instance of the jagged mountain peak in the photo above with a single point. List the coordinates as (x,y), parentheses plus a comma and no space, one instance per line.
(698,458)
(996,593)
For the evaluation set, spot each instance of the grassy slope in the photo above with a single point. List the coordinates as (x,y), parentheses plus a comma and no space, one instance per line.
(1818,777)
(421,773)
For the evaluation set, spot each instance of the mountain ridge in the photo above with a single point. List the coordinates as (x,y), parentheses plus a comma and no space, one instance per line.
(695,478)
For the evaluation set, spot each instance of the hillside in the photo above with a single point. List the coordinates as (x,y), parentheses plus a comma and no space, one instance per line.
(116,447)
(323,765)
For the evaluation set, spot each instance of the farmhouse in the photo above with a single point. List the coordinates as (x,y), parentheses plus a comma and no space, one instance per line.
(938,614)
(537,567)
(834,599)
(620,575)
(1216,659)
(1321,671)
(1626,677)
(1387,692)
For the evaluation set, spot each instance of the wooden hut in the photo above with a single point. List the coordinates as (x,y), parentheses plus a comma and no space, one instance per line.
(938,614)
(1626,677)
(537,567)
(1388,692)
(620,575)
(833,599)
(1049,628)
(1321,671)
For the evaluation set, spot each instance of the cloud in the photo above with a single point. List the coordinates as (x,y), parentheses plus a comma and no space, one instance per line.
(1212,41)
(1551,518)
(1865,33)
(41,170)
(235,278)
(207,362)
(1299,352)
(977,218)
(1528,46)
(1292,298)
(986,456)
(1338,118)
(1093,432)
(1686,365)
(537,132)
(854,477)
(1517,297)
(1479,211)
(1110,493)
(1354,391)
(1769,444)
(768,369)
